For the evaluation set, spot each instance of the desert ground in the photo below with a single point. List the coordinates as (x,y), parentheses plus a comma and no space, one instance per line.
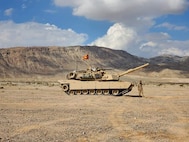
(41,111)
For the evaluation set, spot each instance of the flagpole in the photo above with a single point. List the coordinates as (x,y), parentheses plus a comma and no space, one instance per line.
(76,65)
(76,61)
(85,58)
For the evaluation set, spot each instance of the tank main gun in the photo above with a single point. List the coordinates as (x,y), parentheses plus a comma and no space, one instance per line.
(132,70)
(111,77)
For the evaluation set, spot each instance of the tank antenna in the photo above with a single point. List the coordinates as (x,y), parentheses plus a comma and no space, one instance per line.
(76,65)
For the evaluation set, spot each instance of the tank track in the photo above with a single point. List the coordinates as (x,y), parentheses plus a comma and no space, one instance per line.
(113,92)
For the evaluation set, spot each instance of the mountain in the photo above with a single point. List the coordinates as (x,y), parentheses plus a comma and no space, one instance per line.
(52,60)
(19,61)
(171,62)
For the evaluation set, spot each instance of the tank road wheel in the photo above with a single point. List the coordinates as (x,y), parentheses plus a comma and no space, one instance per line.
(106,92)
(115,92)
(65,87)
(99,92)
(78,92)
(92,92)
(72,92)
(85,92)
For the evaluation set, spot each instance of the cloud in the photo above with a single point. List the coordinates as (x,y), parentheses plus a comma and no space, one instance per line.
(132,22)
(24,6)
(8,12)
(174,51)
(175,47)
(36,34)
(158,45)
(149,45)
(117,37)
(131,13)
(172,27)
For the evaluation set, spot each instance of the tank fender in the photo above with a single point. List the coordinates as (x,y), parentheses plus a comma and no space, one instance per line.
(131,87)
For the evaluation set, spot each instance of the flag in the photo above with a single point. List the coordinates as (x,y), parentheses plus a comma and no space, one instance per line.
(86,57)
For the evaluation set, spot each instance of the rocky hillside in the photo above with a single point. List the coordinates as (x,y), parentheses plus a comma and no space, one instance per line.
(172,62)
(20,61)
(52,60)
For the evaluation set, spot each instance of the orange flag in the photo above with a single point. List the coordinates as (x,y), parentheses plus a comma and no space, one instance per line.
(86,57)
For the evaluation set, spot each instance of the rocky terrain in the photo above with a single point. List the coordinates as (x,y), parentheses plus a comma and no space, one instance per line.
(36,112)
(24,61)
(33,106)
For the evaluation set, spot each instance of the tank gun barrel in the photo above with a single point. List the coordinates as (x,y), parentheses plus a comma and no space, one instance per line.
(134,69)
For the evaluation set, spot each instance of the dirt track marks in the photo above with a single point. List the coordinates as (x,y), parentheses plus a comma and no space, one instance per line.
(179,107)
(28,128)
(49,115)
(122,126)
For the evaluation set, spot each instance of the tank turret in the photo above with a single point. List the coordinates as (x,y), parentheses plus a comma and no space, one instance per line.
(92,74)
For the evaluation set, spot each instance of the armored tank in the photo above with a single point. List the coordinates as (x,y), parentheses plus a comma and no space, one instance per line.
(96,81)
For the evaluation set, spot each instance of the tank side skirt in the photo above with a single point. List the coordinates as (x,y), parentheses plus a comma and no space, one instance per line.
(123,87)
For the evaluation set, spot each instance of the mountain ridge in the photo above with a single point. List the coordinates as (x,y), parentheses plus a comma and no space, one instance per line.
(18,61)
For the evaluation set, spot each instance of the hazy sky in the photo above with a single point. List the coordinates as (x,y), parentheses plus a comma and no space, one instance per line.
(144,28)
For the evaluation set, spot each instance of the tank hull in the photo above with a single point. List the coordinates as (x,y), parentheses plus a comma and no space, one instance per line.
(75,87)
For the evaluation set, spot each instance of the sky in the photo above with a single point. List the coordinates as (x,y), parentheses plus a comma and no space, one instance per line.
(145,28)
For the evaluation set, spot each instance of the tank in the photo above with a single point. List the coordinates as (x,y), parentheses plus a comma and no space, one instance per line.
(96,81)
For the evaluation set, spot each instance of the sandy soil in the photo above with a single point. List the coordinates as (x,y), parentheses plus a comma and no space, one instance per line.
(39,112)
